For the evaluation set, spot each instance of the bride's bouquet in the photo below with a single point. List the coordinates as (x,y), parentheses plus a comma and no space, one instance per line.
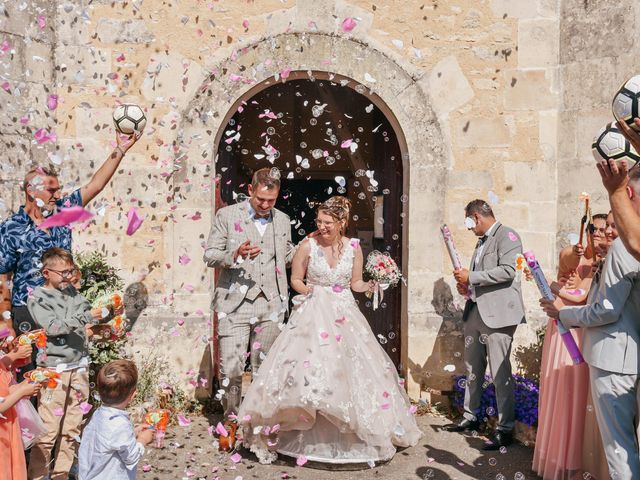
(384,271)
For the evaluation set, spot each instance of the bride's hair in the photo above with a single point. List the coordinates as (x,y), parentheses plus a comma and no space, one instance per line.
(339,209)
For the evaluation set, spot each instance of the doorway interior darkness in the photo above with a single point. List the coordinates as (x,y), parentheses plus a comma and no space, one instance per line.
(327,138)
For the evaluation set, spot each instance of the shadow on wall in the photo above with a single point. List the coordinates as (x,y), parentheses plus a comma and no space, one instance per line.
(136,299)
(448,344)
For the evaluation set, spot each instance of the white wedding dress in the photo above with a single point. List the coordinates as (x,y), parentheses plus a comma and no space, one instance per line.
(327,391)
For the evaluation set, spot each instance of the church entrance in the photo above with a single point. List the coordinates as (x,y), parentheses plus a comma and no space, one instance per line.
(328,135)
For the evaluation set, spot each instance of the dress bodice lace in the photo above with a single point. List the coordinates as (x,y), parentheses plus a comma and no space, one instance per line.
(320,273)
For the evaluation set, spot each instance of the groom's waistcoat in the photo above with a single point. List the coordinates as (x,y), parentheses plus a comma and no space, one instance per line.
(264,265)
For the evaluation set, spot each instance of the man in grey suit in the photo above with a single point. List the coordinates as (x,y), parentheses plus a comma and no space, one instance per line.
(491,315)
(611,326)
(250,242)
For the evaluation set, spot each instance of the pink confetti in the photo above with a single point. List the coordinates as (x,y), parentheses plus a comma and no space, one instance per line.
(337,288)
(220,430)
(324,335)
(301,460)
(355,243)
(210,430)
(349,24)
(385,406)
(66,216)
(245,24)
(6,86)
(413,409)
(146,467)
(58,412)
(268,114)
(183,421)
(347,143)
(42,22)
(180,322)
(341,320)
(120,58)
(85,407)
(235,78)
(513,237)
(184,259)
(43,136)
(257,345)
(235,458)
(284,74)
(135,221)
(5,46)
(338,338)
(52,102)
(238,228)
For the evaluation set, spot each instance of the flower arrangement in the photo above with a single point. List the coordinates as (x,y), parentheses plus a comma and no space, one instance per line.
(526,399)
(382,269)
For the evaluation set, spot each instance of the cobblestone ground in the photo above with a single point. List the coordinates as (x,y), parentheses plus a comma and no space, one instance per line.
(190,453)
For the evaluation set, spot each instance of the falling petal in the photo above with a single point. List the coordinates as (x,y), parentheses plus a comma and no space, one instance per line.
(301,460)
(348,24)
(66,216)
(183,421)
(135,221)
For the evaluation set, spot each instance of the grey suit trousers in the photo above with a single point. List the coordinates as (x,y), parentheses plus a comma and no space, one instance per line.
(482,342)
(617,403)
(248,331)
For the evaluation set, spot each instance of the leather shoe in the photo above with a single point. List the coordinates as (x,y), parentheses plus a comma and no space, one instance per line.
(463,426)
(228,443)
(498,439)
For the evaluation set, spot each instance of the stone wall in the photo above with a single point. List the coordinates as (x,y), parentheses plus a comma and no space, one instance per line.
(596,57)
(475,86)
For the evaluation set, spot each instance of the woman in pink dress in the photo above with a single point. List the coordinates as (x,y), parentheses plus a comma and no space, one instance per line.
(564,387)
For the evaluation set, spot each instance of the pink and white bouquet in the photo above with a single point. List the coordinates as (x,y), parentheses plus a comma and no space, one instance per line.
(384,271)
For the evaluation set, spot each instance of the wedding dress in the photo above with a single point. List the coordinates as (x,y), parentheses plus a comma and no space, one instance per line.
(327,391)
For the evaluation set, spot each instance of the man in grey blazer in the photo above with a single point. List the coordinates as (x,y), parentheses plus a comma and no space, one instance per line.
(250,242)
(611,326)
(491,315)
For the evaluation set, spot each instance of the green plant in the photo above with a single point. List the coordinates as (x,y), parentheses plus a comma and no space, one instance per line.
(529,357)
(157,387)
(98,277)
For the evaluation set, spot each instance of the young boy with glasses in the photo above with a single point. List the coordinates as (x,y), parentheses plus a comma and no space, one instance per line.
(59,309)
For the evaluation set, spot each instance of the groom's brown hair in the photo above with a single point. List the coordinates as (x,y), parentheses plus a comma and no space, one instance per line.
(266,179)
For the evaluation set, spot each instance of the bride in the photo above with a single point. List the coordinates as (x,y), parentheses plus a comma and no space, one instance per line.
(327,391)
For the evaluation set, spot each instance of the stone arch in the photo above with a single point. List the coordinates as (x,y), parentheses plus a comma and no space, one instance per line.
(400,92)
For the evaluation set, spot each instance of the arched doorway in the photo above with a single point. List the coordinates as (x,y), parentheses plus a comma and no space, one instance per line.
(328,135)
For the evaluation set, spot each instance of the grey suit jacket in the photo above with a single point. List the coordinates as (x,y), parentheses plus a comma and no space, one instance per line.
(498,294)
(233,226)
(612,315)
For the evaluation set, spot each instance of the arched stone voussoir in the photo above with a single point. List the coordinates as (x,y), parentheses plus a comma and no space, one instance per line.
(269,60)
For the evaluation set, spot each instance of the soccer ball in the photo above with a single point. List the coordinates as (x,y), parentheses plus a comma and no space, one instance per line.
(129,118)
(609,143)
(625,102)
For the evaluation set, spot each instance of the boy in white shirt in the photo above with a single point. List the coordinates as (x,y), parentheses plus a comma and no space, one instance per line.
(110,448)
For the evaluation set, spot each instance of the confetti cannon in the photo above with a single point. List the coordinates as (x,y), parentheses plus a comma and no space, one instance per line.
(545,291)
(447,236)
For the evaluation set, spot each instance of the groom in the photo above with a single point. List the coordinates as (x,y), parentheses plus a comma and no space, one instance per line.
(250,242)
(491,316)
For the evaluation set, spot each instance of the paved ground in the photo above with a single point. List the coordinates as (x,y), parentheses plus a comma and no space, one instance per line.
(190,453)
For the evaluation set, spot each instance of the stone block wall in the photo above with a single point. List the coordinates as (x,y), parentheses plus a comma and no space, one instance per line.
(490,97)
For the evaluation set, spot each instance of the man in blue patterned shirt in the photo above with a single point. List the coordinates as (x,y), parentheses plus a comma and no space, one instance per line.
(22,243)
